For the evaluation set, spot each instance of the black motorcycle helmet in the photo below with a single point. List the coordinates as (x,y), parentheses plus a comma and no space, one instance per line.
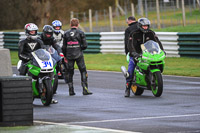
(48,32)
(143,22)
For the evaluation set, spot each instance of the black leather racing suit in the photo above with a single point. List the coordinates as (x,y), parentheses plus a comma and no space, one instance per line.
(26,46)
(51,42)
(48,42)
(74,42)
(137,38)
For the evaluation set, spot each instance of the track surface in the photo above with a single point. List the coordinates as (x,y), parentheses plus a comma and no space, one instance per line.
(177,110)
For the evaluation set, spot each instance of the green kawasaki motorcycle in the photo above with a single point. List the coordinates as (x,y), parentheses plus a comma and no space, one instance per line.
(147,73)
(42,70)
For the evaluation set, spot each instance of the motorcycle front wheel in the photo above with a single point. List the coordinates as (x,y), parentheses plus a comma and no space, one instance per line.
(55,83)
(157,84)
(47,92)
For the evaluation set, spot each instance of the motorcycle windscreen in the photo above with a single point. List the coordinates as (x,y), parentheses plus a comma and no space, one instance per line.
(42,54)
(152,47)
(42,58)
(54,54)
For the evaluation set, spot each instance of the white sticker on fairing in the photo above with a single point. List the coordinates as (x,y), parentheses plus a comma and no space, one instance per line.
(48,64)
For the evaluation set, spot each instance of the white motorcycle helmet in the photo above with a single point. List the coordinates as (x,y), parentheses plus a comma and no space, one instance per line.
(31,30)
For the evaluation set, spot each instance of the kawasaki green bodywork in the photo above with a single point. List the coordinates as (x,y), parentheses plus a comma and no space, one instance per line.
(148,62)
(34,70)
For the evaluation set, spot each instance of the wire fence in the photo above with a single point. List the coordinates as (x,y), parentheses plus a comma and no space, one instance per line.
(170,15)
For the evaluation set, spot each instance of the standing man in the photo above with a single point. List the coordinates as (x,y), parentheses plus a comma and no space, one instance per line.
(132,23)
(74,42)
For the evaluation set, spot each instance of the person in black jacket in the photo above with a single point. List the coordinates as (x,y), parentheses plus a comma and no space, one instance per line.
(28,45)
(49,40)
(132,26)
(140,36)
(132,23)
(73,45)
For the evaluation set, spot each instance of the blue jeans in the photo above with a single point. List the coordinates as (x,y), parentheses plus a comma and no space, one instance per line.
(131,67)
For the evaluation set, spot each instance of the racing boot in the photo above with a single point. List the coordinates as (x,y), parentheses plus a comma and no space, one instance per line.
(127,91)
(124,71)
(85,89)
(54,101)
(71,89)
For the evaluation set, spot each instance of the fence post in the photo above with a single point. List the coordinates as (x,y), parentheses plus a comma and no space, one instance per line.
(177,4)
(183,13)
(158,14)
(111,20)
(140,8)
(71,14)
(90,19)
(132,9)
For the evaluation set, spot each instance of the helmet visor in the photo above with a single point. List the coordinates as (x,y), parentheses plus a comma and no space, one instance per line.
(48,35)
(32,32)
(57,27)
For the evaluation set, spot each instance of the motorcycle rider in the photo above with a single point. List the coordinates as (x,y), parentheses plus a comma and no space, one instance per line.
(49,40)
(132,23)
(138,37)
(73,45)
(28,45)
(58,32)
(58,35)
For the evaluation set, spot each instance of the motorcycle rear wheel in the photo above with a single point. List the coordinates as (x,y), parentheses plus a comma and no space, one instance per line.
(137,90)
(47,93)
(157,86)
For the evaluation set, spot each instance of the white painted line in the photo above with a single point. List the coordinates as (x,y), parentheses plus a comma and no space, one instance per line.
(86,127)
(133,119)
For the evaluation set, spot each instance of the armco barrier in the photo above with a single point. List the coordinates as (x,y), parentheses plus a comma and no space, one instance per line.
(11,40)
(93,43)
(112,42)
(1,40)
(175,44)
(189,44)
(169,42)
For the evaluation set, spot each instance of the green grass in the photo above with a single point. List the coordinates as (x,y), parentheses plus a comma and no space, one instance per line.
(110,62)
(188,28)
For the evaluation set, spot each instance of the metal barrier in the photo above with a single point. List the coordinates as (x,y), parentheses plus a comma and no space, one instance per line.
(112,42)
(93,40)
(10,40)
(169,42)
(175,44)
(189,44)
(1,40)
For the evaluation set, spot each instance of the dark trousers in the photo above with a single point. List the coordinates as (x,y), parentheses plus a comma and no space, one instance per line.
(81,66)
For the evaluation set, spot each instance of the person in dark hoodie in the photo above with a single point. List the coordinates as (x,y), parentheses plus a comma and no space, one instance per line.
(74,42)
(132,26)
